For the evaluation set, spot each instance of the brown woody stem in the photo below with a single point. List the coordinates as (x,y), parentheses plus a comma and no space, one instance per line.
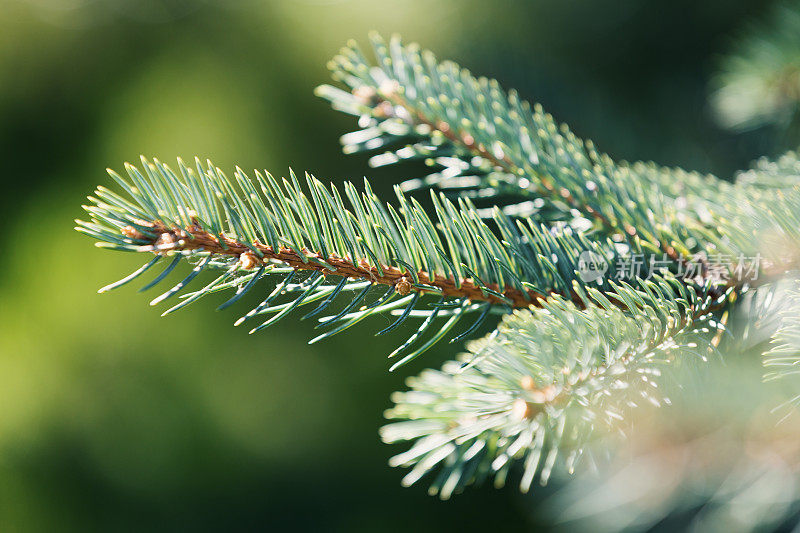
(196,238)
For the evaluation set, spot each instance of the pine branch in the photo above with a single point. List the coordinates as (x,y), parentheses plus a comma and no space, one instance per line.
(248,233)
(493,143)
(494,139)
(544,383)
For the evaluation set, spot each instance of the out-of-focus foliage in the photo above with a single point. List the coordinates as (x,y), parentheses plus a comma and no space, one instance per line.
(782,361)
(716,461)
(783,172)
(759,79)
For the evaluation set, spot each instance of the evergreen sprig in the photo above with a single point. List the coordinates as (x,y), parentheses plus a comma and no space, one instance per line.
(544,383)
(252,229)
(490,141)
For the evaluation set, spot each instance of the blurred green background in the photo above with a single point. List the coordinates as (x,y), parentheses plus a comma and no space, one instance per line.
(112,418)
